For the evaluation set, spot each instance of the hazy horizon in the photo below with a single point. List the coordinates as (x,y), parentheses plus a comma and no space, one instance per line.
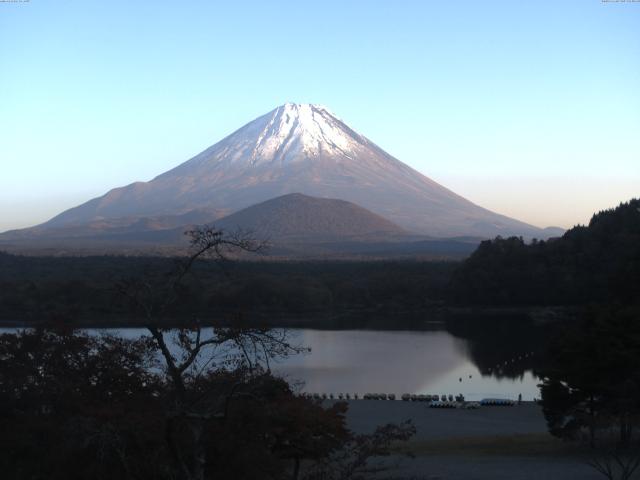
(531,111)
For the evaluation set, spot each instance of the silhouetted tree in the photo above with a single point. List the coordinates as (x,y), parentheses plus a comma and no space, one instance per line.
(75,406)
(591,384)
(78,406)
(599,263)
(192,401)
(191,352)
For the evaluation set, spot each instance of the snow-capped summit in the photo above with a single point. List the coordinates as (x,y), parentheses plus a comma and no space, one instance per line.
(299,148)
(288,134)
(296,130)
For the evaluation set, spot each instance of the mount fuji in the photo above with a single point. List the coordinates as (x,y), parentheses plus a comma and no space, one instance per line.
(295,148)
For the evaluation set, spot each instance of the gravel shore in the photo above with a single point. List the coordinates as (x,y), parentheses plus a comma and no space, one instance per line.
(489,443)
(436,424)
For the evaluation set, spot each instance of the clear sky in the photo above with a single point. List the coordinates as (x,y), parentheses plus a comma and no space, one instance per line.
(531,109)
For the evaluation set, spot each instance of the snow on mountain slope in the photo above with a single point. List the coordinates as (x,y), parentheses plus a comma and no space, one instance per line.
(300,148)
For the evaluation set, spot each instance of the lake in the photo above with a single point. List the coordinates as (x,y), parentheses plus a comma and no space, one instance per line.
(427,362)
(421,362)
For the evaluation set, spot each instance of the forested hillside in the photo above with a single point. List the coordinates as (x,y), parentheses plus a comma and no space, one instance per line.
(85,289)
(598,263)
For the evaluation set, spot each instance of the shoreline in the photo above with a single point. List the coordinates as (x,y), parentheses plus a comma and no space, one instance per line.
(417,319)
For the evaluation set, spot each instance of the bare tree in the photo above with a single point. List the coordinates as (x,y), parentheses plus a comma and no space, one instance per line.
(615,464)
(615,455)
(192,351)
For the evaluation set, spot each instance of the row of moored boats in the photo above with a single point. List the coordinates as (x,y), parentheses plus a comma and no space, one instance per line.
(434,401)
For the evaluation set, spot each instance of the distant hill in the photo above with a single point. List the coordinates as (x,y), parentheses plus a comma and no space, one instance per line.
(301,226)
(294,225)
(588,264)
(301,217)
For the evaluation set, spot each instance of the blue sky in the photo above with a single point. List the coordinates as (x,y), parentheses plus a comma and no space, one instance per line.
(531,109)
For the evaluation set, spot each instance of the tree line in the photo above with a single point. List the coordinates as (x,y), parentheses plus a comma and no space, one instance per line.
(594,264)
(81,289)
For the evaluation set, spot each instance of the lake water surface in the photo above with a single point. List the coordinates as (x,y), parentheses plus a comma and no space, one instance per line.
(361,361)
(429,362)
